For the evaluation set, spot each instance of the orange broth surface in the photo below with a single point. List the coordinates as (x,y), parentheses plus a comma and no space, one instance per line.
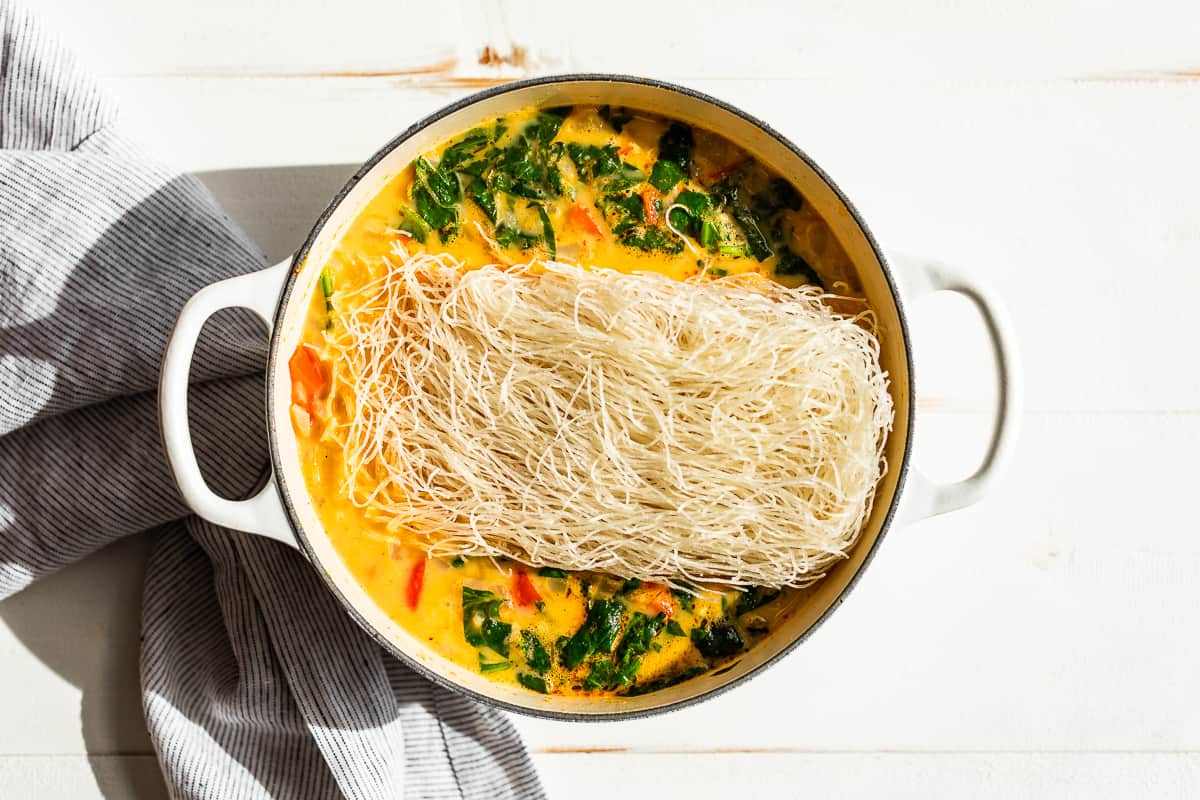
(593,186)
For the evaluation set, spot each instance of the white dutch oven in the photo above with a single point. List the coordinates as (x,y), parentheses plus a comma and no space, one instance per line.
(282,510)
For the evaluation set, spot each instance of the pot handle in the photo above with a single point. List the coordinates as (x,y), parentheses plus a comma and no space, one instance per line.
(263,513)
(924,497)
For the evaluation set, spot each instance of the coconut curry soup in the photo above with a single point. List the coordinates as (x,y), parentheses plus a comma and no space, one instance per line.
(601,187)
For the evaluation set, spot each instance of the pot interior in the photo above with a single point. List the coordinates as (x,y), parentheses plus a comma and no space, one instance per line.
(597,90)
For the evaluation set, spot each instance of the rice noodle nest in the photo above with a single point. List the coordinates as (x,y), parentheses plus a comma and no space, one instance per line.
(726,431)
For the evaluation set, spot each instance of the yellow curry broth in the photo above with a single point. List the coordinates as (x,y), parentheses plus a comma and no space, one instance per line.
(385,565)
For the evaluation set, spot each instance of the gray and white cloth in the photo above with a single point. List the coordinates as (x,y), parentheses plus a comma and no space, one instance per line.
(254,682)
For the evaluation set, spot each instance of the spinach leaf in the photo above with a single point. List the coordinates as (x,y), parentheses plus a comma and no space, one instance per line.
(665,175)
(724,193)
(717,641)
(465,147)
(441,183)
(754,598)
(547,232)
(686,600)
(629,585)
(551,572)
(509,237)
(606,674)
(616,116)
(792,264)
(601,676)
(436,193)
(484,197)
(639,634)
(481,620)
(676,145)
(412,224)
(536,655)
(532,682)
(695,217)
(603,166)
(675,629)
(545,124)
(622,211)
(598,633)
(458,561)
(665,682)
(488,667)
(674,157)
(698,204)
(756,242)
(652,239)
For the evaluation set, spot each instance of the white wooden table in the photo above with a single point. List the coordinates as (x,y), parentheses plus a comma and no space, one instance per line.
(1041,644)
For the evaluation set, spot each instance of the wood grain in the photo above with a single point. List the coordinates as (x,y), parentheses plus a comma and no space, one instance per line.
(1036,645)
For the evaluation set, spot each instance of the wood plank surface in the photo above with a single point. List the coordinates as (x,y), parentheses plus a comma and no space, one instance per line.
(1037,645)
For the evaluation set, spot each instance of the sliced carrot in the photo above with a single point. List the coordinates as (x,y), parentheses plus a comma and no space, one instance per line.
(524,591)
(416,580)
(650,202)
(307,378)
(582,218)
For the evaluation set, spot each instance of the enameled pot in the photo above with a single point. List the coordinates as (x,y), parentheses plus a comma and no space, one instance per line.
(282,509)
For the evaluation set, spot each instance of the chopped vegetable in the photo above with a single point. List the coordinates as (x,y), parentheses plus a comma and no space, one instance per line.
(532,682)
(487,667)
(665,682)
(536,655)
(602,165)
(467,146)
(412,225)
(458,561)
(307,377)
(755,240)
(524,592)
(582,218)
(666,175)
(416,580)
(686,600)
(791,264)
(674,157)
(327,287)
(547,232)
(638,635)
(484,197)
(551,572)
(754,598)
(437,193)
(675,629)
(597,635)
(508,237)
(616,117)
(482,626)
(717,641)
(651,204)
(652,240)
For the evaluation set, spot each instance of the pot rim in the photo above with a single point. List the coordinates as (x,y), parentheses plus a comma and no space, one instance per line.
(286,296)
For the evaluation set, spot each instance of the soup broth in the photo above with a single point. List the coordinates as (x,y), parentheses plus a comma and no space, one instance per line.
(602,187)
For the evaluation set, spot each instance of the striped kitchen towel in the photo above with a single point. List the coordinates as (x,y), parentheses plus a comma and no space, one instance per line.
(254,682)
